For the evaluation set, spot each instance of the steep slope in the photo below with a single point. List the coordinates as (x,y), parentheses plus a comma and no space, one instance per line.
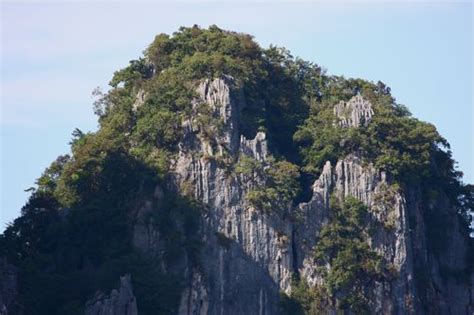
(230,179)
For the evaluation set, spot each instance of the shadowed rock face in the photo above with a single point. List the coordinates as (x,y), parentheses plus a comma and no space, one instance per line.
(120,301)
(8,288)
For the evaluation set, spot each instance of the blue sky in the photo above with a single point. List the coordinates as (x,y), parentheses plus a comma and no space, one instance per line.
(53,55)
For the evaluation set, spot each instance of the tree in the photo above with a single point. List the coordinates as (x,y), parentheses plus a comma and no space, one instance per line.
(354,267)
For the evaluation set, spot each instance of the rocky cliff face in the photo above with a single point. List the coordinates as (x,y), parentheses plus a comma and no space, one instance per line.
(249,256)
(350,178)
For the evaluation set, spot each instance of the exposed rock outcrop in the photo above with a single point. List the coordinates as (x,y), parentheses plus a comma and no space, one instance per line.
(354,113)
(225,104)
(247,256)
(256,148)
(120,301)
(140,99)
(349,177)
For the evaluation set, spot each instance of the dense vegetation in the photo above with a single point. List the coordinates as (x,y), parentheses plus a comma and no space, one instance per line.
(351,268)
(280,183)
(412,152)
(355,267)
(76,228)
(66,254)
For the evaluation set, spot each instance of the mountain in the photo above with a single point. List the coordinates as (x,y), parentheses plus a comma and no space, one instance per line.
(226,178)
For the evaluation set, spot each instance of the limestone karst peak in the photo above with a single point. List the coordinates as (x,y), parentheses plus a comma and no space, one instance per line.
(226,178)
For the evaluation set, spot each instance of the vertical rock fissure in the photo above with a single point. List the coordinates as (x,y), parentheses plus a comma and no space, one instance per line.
(294,253)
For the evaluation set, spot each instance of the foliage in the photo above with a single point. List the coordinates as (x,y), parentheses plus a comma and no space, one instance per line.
(281,183)
(48,181)
(411,151)
(249,167)
(138,70)
(206,53)
(74,236)
(101,170)
(178,220)
(354,267)
(65,255)
(393,140)
(211,124)
(304,299)
(274,83)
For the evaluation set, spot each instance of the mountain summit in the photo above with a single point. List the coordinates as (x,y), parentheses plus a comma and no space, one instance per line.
(226,178)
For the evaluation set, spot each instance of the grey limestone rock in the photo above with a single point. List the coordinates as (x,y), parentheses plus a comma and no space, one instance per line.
(356,112)
(120,301)
(140,99)
(248,256)
(245,275)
